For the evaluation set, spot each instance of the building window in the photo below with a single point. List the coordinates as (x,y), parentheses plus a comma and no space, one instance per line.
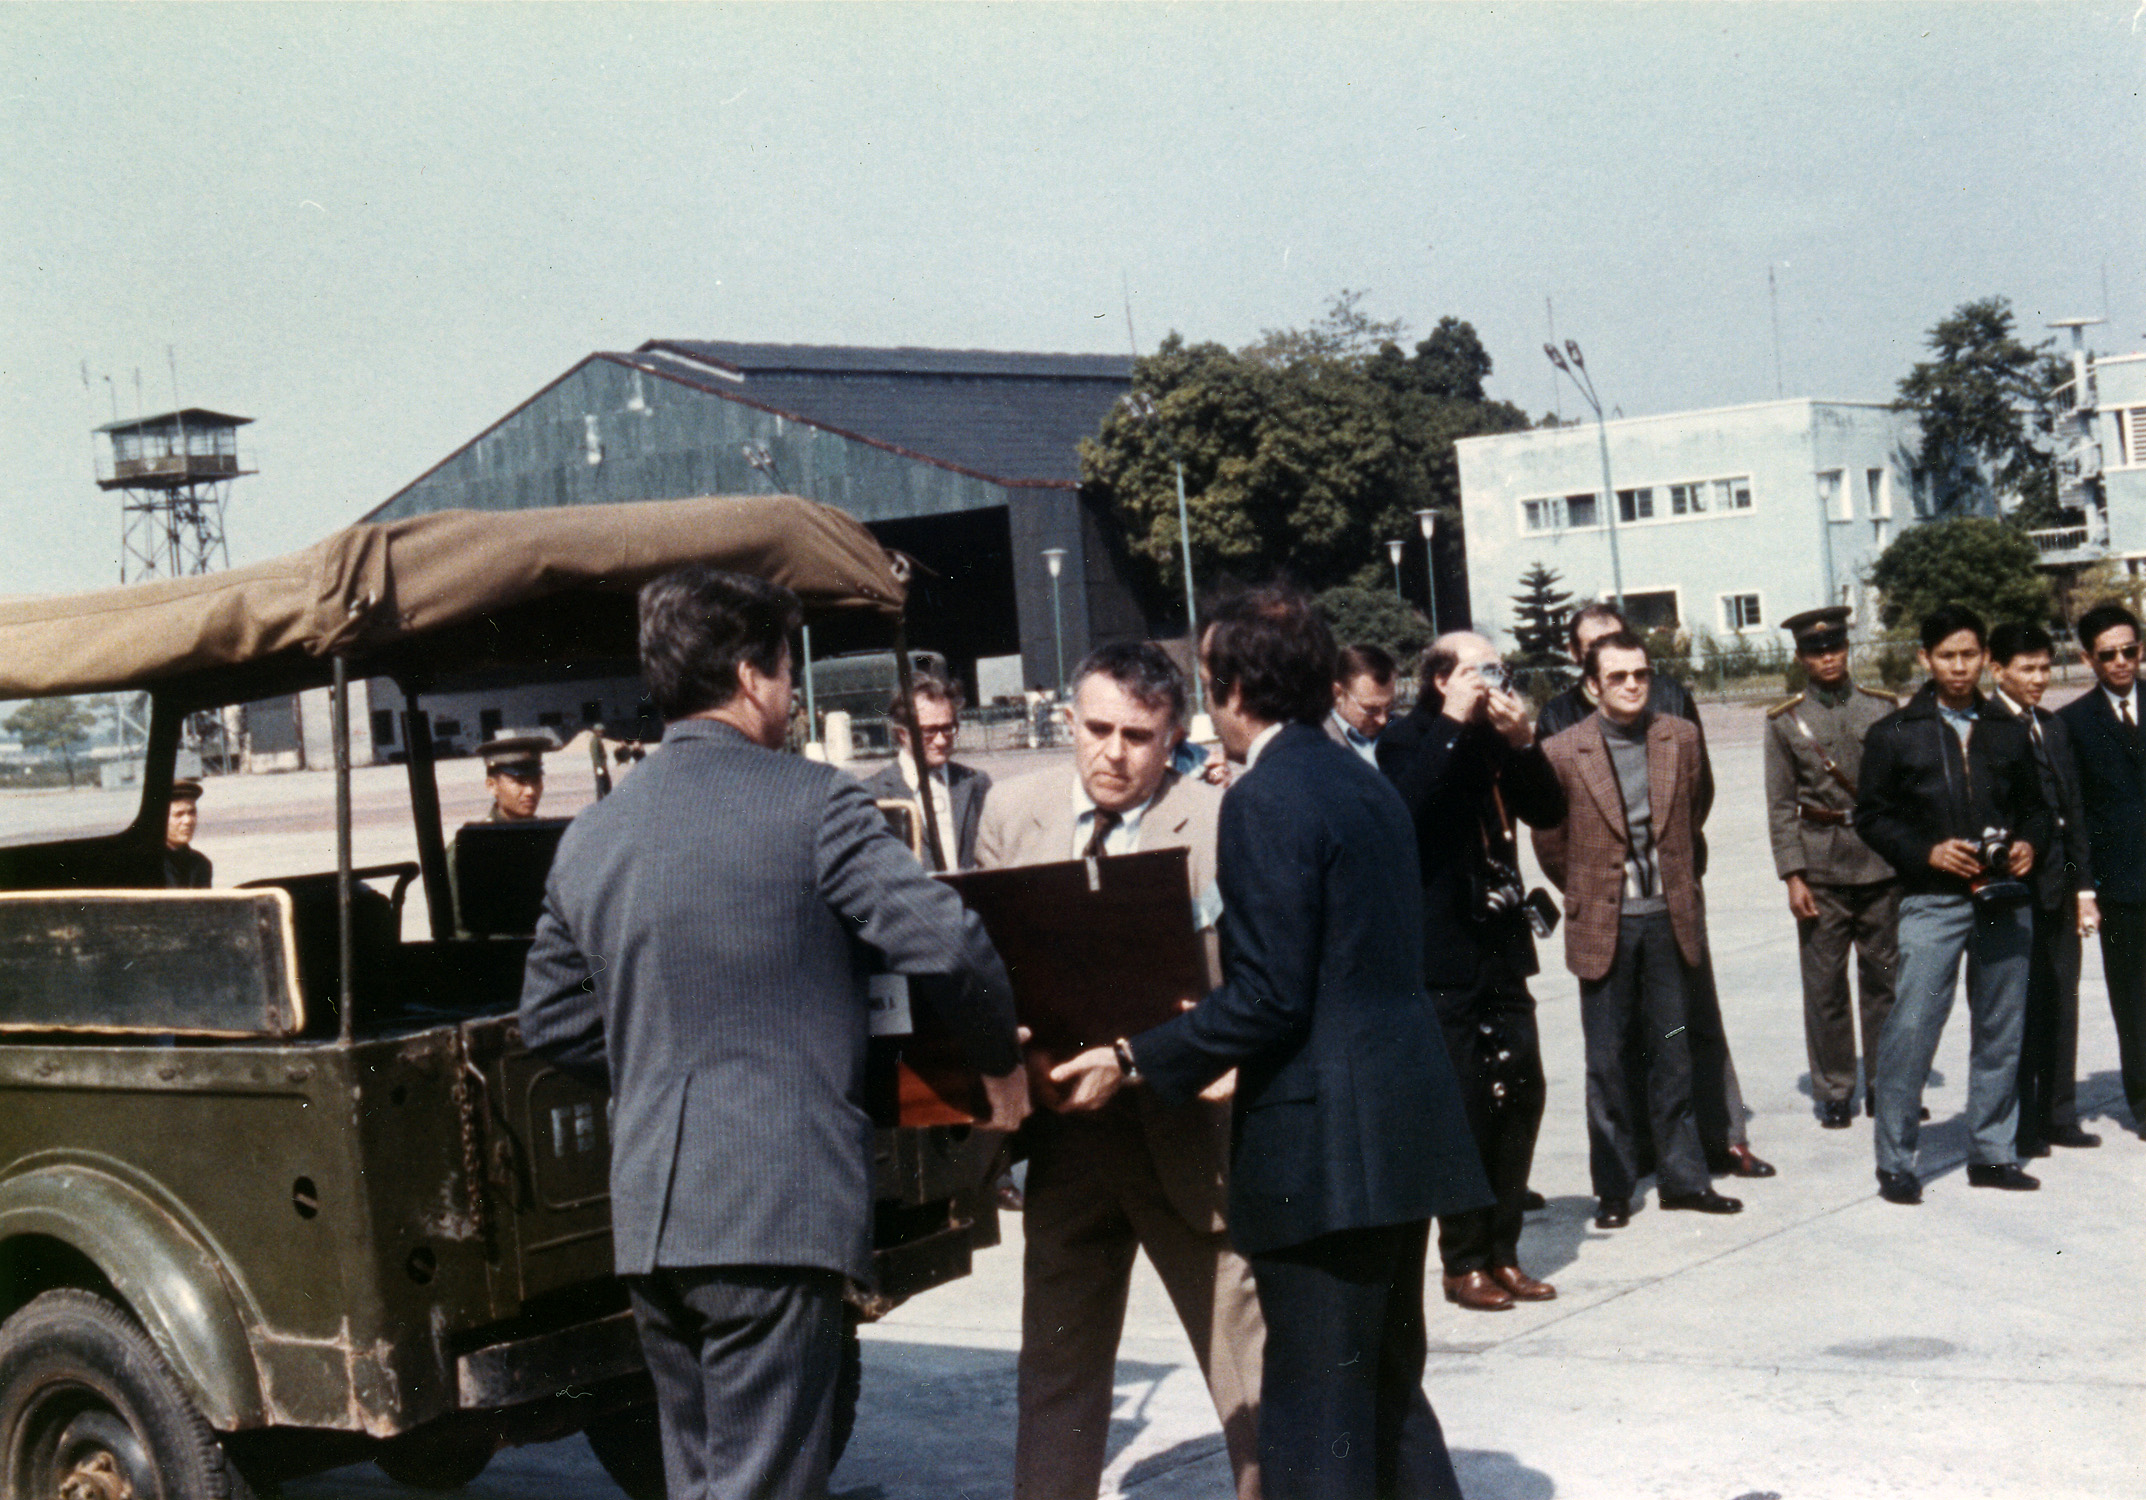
(1580,510)
(1652,609)
(1833,495)
(2131,436)
(1740,612)
(1635,505)
(1687,499)
(1879,496)
(1541,514)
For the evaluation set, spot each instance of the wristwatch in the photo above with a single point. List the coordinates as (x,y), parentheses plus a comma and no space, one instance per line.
(1126,1065)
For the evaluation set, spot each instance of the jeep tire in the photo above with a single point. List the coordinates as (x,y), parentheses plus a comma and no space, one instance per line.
(89,1408)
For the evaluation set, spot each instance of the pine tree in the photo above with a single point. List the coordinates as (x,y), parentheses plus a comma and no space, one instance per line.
(1539,624)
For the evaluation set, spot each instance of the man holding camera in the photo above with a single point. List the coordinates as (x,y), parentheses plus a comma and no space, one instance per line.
(1466,763)
(1839,890)
(1951,798)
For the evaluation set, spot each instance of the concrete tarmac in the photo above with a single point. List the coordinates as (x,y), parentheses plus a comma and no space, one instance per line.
(1823,1345)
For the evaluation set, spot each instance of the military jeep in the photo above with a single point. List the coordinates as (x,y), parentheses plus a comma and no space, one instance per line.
(280,1188)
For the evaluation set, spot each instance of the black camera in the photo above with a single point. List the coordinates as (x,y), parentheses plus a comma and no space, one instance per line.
(1495,675)
(1500,890)
(1996,885)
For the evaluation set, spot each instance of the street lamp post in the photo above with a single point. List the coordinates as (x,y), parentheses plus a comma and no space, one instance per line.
(1576,371)
(1428,520)
(763,459)
(1142,406)
(1054,558)
(1393,550)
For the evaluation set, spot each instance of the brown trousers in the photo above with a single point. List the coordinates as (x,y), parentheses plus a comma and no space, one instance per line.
(1094,1197)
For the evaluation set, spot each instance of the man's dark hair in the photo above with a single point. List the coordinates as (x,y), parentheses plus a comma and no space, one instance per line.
(698,623)
(1269,646)
(1951,619)
(1616,640)
(1143,669)
(1588,613)
(2104,617)
(931,686)
(1363,660)
(2014,639)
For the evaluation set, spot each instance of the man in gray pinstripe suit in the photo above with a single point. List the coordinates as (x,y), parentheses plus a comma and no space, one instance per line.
(702,952)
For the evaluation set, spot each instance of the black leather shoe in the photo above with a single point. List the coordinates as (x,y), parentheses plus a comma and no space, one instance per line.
(1532,1201)
(2006,1175)
(2072,1135)
(1899,1187)
(1836,1114)
(1744,1164)
(1705,1201)
(2029,1149)
(1613,1213)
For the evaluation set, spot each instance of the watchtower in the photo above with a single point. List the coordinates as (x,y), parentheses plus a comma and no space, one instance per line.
(174,472)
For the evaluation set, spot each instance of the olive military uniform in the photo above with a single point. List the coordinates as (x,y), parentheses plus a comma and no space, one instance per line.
(1809,812)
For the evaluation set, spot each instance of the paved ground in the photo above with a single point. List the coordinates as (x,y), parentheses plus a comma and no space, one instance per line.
(1822,1346)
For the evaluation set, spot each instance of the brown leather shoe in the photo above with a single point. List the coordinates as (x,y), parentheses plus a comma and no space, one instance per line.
(1477,1292)
(1524,1287)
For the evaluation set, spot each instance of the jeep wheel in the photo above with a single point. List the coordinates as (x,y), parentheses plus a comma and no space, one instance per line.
(89,1410)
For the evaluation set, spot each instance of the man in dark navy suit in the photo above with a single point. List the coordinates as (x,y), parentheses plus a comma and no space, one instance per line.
(2105,736)
(1350,1132)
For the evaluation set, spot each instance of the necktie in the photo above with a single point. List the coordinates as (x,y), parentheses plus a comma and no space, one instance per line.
(1105,824)
(2129,722)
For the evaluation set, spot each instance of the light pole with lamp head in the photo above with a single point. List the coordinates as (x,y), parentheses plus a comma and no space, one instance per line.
(1142,406)
(1054,558)
(1428,520)
(761,458)
(1393,550)
(1576,371)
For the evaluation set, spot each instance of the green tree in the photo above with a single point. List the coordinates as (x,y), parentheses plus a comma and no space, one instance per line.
(1539,613)
(1971,560)
(1375,617)
(52,724)
(1985,401)
(1303,454)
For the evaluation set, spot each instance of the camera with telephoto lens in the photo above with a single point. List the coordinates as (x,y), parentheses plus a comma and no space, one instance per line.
(1996,886)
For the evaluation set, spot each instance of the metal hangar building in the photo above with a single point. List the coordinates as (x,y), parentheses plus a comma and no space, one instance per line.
(967,460)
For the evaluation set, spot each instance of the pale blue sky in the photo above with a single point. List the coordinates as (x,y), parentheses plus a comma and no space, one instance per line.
(377,229)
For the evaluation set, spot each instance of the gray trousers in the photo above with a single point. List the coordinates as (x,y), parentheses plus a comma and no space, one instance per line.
(1935,932)
(1639,1016)
(746,1360)
(1867,916)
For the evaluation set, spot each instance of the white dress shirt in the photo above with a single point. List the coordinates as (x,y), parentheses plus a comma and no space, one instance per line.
(1260,742)
(1356,740)
(2118,702)
(942,800)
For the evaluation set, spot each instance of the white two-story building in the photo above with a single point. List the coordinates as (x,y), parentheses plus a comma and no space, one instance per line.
(1727,521)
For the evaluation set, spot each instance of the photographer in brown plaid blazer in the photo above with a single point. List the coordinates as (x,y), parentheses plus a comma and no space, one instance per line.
(1635,929)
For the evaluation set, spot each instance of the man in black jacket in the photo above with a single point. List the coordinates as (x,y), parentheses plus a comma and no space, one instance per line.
(1951,799)
(1466,763)
(2064,904)
(1717,1096)
(2106,735)
(1349,1129)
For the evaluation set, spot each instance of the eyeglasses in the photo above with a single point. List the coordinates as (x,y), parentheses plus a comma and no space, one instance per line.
(2128,653)
(1636,676)
(938,731)
(1370,710)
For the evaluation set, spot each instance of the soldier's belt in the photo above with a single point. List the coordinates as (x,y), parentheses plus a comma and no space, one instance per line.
(1829,816)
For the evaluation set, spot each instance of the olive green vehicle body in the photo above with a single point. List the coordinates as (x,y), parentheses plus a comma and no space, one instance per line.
(343,1226)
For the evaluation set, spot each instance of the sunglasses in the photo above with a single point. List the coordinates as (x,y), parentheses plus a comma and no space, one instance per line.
(1636,676)
(2128,653)
(938,731)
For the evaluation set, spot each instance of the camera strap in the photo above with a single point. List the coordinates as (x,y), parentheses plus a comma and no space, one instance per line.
(1832,768)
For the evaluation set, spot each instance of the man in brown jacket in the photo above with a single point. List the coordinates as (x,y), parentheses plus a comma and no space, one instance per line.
(1636,924)
(1134,1175)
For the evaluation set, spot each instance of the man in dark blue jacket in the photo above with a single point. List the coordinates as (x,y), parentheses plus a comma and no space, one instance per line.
(2105,726)
(1350,1133)
(1951,799)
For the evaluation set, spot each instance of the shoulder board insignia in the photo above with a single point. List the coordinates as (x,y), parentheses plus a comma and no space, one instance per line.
(1783,707)
(1883,695)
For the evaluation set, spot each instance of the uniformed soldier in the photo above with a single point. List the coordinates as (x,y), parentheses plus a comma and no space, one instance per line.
(514,775)
(1838,889)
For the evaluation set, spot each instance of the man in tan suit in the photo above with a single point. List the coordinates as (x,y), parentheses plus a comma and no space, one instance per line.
(1135,1174)
(1635,930)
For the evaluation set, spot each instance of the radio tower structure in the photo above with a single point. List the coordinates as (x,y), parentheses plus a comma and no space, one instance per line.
(173,472)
